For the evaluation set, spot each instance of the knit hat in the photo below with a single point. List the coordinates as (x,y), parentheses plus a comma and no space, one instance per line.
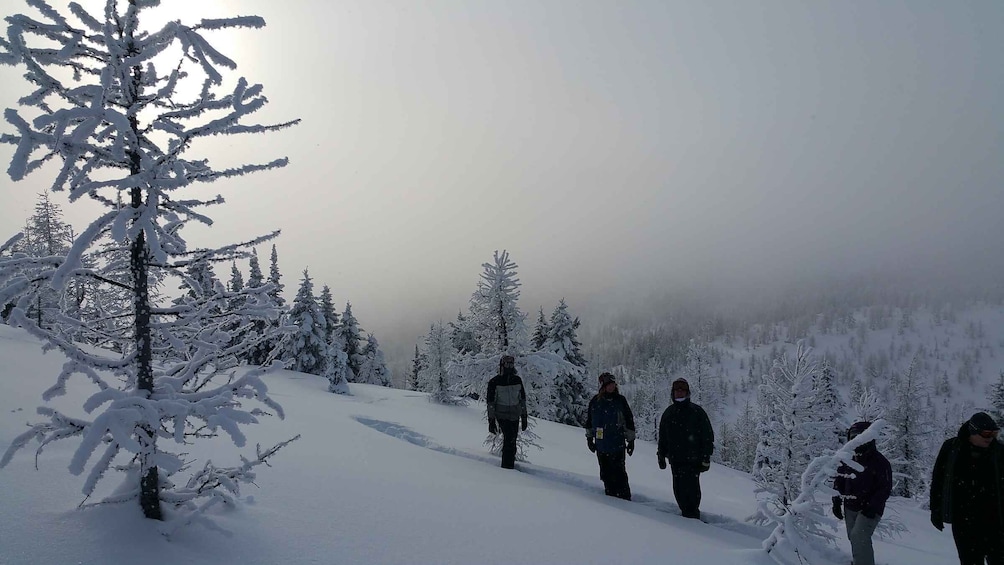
(605,379)
(856,429)
(981,421)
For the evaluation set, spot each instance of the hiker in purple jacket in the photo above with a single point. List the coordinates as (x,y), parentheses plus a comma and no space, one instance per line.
(863,495)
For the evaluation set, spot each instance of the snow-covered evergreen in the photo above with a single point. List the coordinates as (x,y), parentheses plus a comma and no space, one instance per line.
(433,373)
(569,394)
(351,337)
(306,349)
(337,368)
(373,369)
(540,331)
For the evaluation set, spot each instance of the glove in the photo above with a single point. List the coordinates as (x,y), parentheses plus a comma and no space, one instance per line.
(522,423)
(630,448)
(492,428)
(705,465)
(662,462)
(837,510)
(591,444)
(937,522)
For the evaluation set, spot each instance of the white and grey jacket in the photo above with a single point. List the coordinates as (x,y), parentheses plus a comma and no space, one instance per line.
(506,398)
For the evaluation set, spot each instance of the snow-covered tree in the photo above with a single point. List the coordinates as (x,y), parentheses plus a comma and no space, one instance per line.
(306,349)
(786,426)
(113,124)
(569,395)
(373,369)
(495,318)
(47,235)
(540,331)
(828,410)
(433,376)
(417,363)
(462,337)
(351,336)
(909,448)
(337,364)
(704,387)
(996,399)
(799,526)
(498,326)
(745,439)
(275,278)
(649,398)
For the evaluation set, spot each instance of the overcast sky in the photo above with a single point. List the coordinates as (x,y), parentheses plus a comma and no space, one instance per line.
(609,146)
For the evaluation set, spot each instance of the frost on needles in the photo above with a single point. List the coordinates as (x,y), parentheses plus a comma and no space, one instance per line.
(167,373)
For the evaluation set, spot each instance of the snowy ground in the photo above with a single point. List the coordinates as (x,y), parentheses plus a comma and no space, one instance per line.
(384,476)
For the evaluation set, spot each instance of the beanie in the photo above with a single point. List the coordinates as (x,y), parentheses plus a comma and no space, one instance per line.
(981,421)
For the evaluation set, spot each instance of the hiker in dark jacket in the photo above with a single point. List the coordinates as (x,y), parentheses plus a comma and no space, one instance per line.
(687,440)
(609,435)
(863,495)
(967,491)
(506,400)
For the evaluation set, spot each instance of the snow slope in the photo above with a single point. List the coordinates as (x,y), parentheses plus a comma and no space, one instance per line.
(384,476)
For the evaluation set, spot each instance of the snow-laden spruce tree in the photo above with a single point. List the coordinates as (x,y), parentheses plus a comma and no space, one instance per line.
(540,331)
(337,369)
(351,337)
(498,327)
(256,279)
(114,125)
(569,394)
(417,362)
(373,369)
(433,373)
(306,349)
(828,411)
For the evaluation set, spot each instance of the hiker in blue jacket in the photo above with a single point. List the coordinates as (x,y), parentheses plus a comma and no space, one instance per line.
(610,434)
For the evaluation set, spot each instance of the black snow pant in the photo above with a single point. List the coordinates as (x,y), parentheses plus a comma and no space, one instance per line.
(977,544)
(614,475)
(509,430)
(687,489)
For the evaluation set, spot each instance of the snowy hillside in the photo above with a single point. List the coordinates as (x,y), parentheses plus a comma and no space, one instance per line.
(384,476)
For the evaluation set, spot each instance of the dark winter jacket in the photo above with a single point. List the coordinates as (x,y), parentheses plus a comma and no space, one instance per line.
(685,434)
(506,398)
(865,491)
(967,484)
(610,421)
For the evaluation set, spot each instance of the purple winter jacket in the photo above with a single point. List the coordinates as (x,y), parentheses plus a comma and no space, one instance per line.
(865,491)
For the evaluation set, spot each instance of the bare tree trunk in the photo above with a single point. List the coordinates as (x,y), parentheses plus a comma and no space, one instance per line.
(139,265)
(149,498)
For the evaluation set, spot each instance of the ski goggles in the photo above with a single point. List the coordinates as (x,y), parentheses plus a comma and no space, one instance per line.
(988,434)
